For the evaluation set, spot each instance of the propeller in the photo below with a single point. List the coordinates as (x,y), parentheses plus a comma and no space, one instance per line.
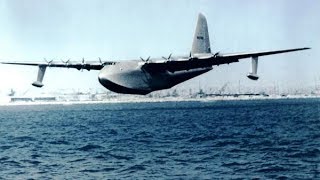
(48,62)
(216,54)
(145,60)
(100,60)
(66,62)
(82,64)
(169,57)
(190,56)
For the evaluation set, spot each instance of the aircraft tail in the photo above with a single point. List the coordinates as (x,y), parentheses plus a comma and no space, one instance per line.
(201,42)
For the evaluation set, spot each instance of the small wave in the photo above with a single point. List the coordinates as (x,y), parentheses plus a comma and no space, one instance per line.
(238,150)
(160,161)
(98,170)
(33,162)
(113,132)
(144,134)
(78,160)
(24,138)
(119,157)
(202,138)
(282,177)
(310,153)
(284,142)
(210,157)
(59,142)
(199,168)
(4,159)
(274,169)
(182,160)
(100,157)
(89,147)
(146,141)
(12,163)
(226,143)
(273,149)
(252,136)
(34,156)
(263,143)
(108,169)
(233,164)
(134,168)
(91,170)
(5,147)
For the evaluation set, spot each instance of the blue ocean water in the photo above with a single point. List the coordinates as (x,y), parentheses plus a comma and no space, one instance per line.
(263,139)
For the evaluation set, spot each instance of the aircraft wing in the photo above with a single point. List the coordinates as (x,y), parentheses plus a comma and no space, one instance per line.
(84,65)
(207,60)
(76,65)
(257,54)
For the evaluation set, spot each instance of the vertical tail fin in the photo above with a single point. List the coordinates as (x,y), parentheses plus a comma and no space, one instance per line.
(201,42)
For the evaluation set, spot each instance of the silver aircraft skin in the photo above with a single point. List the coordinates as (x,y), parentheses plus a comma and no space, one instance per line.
(146,75)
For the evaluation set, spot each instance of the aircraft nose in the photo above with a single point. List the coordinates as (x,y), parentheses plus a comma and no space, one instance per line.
(103,78)
(104,81)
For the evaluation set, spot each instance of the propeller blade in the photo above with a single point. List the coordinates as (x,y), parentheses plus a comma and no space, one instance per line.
(191,56)
(145,60)
(168,58)
(66,62)
(216,54)
(49,62)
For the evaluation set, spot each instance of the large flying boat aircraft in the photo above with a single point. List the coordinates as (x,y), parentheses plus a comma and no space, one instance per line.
(143,76)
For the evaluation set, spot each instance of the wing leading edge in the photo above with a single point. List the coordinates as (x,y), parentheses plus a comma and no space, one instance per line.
(257,54)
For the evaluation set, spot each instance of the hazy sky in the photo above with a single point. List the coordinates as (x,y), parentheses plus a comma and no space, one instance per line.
(31,30)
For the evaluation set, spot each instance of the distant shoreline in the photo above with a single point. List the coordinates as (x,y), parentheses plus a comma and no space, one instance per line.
(146,100)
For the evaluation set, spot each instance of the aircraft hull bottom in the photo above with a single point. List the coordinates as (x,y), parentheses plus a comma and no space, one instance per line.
(121,89)
(182,76)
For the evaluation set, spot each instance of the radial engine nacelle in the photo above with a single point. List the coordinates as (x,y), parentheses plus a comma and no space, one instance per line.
(254,68)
